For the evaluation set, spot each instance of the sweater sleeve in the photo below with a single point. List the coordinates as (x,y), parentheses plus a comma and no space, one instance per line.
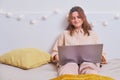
(59,42)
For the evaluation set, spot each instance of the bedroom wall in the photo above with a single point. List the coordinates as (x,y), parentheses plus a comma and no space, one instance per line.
(37,23)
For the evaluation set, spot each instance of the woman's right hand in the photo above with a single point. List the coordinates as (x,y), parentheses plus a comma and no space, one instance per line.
(55,58)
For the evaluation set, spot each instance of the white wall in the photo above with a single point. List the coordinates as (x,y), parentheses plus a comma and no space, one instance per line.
(42,34)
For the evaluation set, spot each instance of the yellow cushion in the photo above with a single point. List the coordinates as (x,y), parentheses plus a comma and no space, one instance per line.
(82,77)
(25,58)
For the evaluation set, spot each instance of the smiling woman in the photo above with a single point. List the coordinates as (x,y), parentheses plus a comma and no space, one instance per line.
(37,23)
(78,32)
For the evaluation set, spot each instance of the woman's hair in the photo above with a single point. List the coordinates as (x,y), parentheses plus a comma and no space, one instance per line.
(85,26)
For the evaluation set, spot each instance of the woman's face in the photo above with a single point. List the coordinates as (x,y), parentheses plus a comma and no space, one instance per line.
(76,20)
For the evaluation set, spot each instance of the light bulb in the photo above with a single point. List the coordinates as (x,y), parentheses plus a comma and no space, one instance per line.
(8,15)
(117,16)
(57,11)
(33,21)
(20,17)
(44,17)
(105,23)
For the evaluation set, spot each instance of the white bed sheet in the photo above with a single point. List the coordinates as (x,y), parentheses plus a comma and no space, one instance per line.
(112,69)
(49,71)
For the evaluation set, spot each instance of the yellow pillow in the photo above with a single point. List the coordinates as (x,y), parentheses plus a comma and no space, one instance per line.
(25,58)
(82,77)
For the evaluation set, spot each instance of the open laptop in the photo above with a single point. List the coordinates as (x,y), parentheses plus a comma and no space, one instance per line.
(80,53)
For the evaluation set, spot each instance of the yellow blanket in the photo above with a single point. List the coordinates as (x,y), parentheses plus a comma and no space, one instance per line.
(82,77)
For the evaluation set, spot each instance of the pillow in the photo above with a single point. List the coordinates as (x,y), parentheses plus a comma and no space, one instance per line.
(82,77)
(25,58)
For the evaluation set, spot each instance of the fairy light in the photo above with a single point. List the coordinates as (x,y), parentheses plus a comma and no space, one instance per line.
(20,17)
(8,14)
(45,17)
(33,21)
(57,11)
(105,23)
(117,16)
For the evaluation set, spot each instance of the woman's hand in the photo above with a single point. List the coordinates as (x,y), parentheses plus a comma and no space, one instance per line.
(103,60)
(55,58)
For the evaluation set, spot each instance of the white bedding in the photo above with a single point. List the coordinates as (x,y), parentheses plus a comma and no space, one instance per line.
(112,69)
(48,71)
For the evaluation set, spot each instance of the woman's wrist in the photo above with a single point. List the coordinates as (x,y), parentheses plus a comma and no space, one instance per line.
(53,58)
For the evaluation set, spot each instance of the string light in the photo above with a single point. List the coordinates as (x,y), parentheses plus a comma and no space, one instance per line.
(44,17)
(117,16)
(9,15)
(105,23)
(57,11)
(20,17)
(33,21)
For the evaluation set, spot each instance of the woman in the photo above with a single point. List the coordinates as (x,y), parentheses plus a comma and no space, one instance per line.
(78,32)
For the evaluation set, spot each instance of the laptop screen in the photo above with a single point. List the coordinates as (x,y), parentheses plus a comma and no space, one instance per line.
(80,53)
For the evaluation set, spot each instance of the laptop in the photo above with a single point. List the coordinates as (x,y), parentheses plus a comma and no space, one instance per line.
(80,53)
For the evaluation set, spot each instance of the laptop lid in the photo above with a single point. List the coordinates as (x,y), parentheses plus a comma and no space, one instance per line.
(80,53)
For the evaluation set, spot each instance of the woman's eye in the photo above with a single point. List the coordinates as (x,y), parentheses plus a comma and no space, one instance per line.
(79,17)
(73,18)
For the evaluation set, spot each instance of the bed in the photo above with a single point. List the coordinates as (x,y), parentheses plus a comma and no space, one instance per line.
(49,71)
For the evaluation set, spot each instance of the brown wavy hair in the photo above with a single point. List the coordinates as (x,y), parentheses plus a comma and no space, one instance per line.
(86,26)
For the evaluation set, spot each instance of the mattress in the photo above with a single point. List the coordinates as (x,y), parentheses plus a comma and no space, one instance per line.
(49,71)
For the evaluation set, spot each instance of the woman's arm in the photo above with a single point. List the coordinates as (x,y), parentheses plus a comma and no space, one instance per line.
(59,42)
(103,59)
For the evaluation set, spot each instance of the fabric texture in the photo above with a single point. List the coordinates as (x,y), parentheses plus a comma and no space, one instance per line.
(82,77)
(74,68)
(25,58)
